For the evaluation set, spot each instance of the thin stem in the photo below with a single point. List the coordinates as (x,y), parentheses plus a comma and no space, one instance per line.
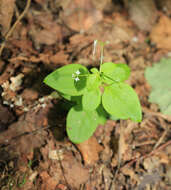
(102,54)
(83,75)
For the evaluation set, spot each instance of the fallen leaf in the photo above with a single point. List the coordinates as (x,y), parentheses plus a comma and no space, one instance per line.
(143,13)
(19,134)
(130,172)
(59,58)
(161,33)
(159,78)
(6,14)
(80,15)
(6,116)
(29,94)
(50,31)
(90,150)
(123,145)
(48,182)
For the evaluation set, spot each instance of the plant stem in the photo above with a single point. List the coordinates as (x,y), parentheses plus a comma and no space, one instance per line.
(101,54)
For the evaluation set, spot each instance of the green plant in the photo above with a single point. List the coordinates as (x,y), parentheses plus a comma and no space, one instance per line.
(96,93)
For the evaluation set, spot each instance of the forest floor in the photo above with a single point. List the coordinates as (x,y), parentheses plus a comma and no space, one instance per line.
(35,152)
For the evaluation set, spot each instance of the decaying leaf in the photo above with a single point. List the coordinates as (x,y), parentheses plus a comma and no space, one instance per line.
(159,77)
(90,150)
(161,33)
(6,13)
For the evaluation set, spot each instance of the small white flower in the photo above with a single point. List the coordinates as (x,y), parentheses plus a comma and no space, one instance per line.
(73,75)
(77,79)
(77,72)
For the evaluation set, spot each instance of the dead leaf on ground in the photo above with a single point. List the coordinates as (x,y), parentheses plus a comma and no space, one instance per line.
(114,31)
(6,14)
(161,33)
(90,150)
(131,173)
(49,182)
(125,150)
(29,95)
(80,15)
(43,29)
(143,13)
(5,115)
(15,135)
(59,58)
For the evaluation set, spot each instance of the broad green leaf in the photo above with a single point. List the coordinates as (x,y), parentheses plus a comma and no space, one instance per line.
(62,79)
(112,117)
(120,100)
(115,72)
(159,77)
(91,99)
(72,98)
(93,81)
(81,124)
(94,70)
(102,115)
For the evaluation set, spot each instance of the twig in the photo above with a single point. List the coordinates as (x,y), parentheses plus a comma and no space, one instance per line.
(168,118)
(163,136)
(14,26)
(7,143)
(147,155)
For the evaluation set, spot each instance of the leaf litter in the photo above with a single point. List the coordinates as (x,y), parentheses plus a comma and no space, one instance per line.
(34,150)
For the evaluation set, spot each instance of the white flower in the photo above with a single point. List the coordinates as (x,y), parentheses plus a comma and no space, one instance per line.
(73,75)
(77,79)
(77,72)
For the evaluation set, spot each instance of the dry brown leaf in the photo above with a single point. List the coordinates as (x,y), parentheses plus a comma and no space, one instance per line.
(5,115)
(29,94)
(143,13)
(59,58)
(130,172)
(161,33)
(49,182)
(123,146)
(25,143)
(90,150)
(115,32)
(44,29)
(6,13)
(151,163)
(2,63)
(80,15)
(80,174)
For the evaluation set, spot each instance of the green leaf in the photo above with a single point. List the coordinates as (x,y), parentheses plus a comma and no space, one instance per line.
(72,98)
(159,77)
(91,99)
(112,117)
(93,81)
(121,101)
(94,70)
(62,80)
(117,72)
(102,115)
(81,124)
